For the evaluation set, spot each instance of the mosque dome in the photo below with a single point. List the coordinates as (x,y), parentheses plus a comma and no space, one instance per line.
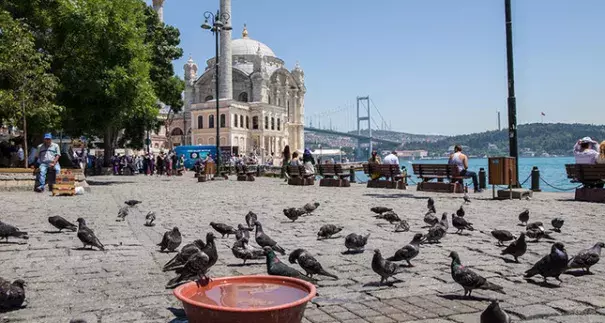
(249,46)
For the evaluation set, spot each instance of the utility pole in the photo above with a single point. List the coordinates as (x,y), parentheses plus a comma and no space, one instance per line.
(512,102)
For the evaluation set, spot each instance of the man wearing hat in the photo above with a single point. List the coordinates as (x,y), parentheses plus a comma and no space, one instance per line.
(47,155)
(585,151)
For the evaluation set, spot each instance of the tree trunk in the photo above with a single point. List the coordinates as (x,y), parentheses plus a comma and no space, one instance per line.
(108,146)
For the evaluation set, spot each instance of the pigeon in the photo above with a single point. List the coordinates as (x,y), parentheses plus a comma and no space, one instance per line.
(494,314)
(122,213)
(87,236)
(430,204)
(461,224)
(524,216)
(60,223)
(431,219)
(380,209)
(466,198)
(557,223)
(355,241)
(391,217)
(436,233)
(149,218)
(251,217)
(132,202)
(7,230)
(223,229)
(516,248)
(587,258)
(309,208)
(294,213)
(196,267)
(186,252)
(502,235)
(264,240)
(538,233)
(402,226)
(383,267)
(12,295)
(307,262)
(551,265)
(469,279)
(328,230)
(409,251)
(172,239)
(242,232)
(444,223)
(277,268)
(460,212)
(535,225)
(242,250)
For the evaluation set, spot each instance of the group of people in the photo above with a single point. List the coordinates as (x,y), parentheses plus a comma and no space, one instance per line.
(294,159)
(148,164)
(588,151)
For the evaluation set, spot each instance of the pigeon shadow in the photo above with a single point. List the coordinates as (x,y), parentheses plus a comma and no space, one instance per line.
(106,183)
(329,238)
(352,252)
(11,242)
(578,273)
(86,249)
(378,284)
(246,264)
(521,225)
(542,283)
(508,260)
(149,225)
(55,232)
(7,310)
(178,312)
(291,222)
(453,297)
(464,234)
(392,196)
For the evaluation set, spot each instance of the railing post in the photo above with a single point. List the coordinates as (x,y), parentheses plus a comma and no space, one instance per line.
(482,178)
(535,179)
(352,173)
(404,174)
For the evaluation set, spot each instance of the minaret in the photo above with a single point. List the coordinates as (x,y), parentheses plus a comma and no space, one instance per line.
(190,69)
(158,6)
(225,63)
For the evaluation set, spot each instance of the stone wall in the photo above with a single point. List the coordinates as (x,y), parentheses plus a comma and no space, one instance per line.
(21,179)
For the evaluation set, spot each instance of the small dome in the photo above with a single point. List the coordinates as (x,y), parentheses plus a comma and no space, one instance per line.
(249,46)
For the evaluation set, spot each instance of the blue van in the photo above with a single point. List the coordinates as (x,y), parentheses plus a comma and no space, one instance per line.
(192,153)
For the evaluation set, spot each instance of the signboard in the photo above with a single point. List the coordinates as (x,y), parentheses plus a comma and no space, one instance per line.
(192,153)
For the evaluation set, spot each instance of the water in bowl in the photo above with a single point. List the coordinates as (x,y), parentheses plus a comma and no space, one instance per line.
(249,295)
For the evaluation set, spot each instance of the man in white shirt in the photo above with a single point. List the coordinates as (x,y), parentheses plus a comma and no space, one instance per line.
(47,155)
(391,159)
(585,151)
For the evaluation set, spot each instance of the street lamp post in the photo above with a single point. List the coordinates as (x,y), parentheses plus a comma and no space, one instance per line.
(217,24)
(512,101)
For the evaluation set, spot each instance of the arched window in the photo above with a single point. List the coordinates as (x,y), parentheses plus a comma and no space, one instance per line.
(243,97)
(241,121)
(288,109)
(235,121)
(278,102)
(266,122)
(278,124)
(211,121)
(272,123)
(208,98)
(254,122)
(200,122)
(222,121)
(176,132)
(269,99)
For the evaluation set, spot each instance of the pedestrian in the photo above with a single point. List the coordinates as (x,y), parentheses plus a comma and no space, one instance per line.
(47,156)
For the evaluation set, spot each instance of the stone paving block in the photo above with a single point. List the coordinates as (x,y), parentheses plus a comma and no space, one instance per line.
(569,306)
(466,318)
(379,319)
(601,311)
(344,316)
(539,321)
(365,312)
(533,311)
(581,318)
(319,318)
(596,301)
(332,309)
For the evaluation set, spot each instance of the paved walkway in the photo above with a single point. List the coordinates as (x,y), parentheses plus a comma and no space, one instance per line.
(126,284)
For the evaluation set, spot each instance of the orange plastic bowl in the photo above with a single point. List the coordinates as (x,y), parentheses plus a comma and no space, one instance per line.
(198,312)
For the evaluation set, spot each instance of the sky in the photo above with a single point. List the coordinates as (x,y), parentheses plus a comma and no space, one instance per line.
(429,66)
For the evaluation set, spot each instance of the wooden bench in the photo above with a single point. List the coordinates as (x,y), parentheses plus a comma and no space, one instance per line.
(590,176)
(333,175)
(245,173)
(393,178)
(439,172)
(298,176)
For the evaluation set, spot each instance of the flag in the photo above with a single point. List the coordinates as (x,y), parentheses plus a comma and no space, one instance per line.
(543,114)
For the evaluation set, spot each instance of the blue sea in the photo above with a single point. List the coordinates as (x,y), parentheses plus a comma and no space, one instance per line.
(552,171)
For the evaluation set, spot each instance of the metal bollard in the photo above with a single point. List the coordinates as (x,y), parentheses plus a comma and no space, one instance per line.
(535,179)
(404,174)
(352,172)
(482,181)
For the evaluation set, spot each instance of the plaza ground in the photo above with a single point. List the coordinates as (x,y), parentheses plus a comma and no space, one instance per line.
(126,284)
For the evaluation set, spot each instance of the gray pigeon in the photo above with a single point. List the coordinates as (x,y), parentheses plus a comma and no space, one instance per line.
(538,233)
(182,256)
(264,240)
(494,314)
(466,198)
(242,232)
(61,223)
(328,230)
(171,240)
(7,230)
(242,250)
(307,262)
(436,233)
(430,204)
(149,218)
(277,268)
(444,223)
(524,216)
(551,265)
(431,219)
(380,209)
(389,216)
(461,224)
(535,225)
(383,267)
(469,279)
(223,229)
(87,236)
(309,208)
(251,217)
(12,295)
(402,226)
(122,213)
(294,213)
(516,248)
(557,223)
(196,267)
(587,258)
(409,251)
(502,235)
(355,241)
(460,212)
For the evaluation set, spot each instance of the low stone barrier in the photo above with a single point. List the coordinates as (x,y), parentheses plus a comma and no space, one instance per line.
(23,179)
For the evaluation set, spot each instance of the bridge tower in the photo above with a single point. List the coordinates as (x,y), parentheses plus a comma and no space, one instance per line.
(361,118)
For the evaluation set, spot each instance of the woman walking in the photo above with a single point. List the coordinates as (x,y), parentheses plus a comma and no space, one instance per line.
(285,162)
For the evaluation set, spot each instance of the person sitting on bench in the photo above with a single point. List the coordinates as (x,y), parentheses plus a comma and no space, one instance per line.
(374,159)
(460,160)
(47,156)
(585,151)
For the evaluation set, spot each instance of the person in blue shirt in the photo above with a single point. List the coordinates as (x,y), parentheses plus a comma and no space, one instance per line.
(47,156)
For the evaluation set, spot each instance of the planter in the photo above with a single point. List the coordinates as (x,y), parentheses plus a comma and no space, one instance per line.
(246,299)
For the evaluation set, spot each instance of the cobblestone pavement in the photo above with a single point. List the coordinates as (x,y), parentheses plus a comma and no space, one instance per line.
(126,284)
